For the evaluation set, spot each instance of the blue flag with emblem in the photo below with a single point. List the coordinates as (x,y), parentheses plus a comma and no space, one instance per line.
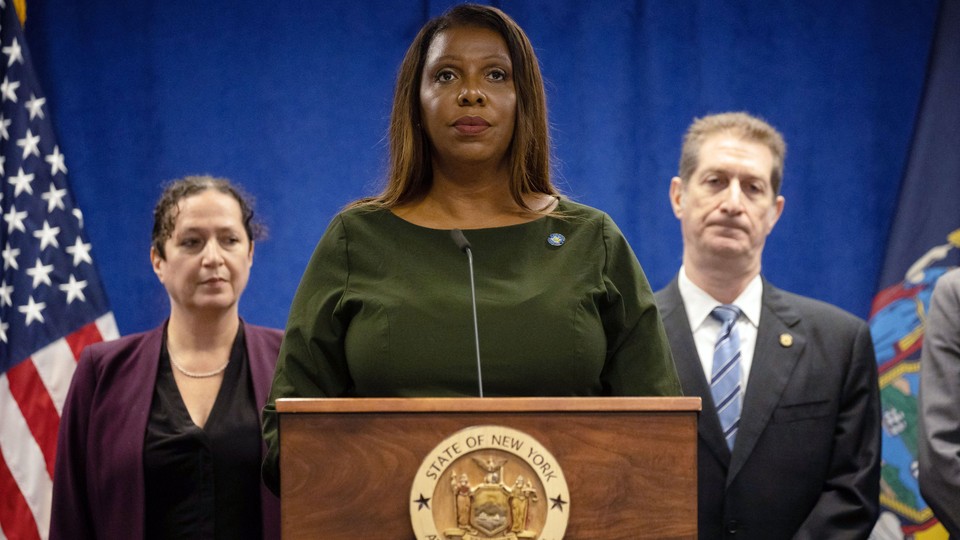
(924,243)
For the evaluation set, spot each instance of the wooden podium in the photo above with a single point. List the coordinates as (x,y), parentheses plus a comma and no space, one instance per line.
(348,466)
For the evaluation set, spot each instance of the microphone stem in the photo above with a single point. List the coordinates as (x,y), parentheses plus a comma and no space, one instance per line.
(476,330)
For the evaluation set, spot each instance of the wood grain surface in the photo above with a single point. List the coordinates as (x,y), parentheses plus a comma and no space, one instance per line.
(631,473)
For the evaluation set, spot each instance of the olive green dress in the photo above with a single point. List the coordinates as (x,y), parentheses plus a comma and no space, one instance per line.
(384,309)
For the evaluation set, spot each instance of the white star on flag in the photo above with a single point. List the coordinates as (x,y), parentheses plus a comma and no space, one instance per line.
(21,182)
(40,273)
(74,289)
(9,89)
(80,252)
(14,219)
(4,124)
(54,198)
(56,162)
(3,331)
(10,257)
(32,310)
(35,105)
(13,52)
(5,292)
(47,236)
(29,144)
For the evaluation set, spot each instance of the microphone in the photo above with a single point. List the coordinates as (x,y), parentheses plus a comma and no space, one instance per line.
(464,246)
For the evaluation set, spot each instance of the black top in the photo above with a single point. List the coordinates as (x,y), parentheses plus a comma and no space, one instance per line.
(203,483)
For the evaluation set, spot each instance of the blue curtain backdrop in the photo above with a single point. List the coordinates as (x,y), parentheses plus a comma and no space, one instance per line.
(291,99)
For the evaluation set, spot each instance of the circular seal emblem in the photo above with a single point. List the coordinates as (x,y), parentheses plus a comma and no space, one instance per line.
(489,482)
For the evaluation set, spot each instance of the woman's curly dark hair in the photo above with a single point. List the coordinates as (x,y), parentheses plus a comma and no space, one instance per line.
(167,209)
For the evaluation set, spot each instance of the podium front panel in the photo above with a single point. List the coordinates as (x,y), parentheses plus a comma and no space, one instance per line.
(347,466)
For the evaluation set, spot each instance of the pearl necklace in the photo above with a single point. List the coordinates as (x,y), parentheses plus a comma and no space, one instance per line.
(196,375)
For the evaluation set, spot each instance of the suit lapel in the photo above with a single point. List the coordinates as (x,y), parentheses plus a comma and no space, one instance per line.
(774,360)
(690,369)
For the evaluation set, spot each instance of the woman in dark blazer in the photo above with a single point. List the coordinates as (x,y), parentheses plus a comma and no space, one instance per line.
(160,433)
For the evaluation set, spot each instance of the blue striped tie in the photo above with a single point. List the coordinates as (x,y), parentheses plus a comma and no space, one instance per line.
(725,380)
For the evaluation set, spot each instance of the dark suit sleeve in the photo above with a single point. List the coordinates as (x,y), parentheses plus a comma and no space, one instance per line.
(849,504)
(939,444)
(70,515)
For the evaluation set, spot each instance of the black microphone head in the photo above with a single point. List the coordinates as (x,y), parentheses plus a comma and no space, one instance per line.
(460,240)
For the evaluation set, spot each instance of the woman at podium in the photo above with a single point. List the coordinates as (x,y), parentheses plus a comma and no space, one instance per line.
(385,306)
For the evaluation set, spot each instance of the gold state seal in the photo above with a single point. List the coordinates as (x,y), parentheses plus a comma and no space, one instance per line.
(489,482)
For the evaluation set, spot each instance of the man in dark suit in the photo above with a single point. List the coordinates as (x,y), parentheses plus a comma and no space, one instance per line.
(789,436)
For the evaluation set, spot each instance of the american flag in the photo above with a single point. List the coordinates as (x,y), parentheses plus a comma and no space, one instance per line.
(51,301)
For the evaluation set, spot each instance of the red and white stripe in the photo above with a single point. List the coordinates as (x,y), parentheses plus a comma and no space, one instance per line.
(31,400)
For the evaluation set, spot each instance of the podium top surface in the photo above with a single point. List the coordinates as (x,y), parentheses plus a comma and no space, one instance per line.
(498,404)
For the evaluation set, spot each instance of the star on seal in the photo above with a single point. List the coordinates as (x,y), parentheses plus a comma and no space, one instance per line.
(422,502)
